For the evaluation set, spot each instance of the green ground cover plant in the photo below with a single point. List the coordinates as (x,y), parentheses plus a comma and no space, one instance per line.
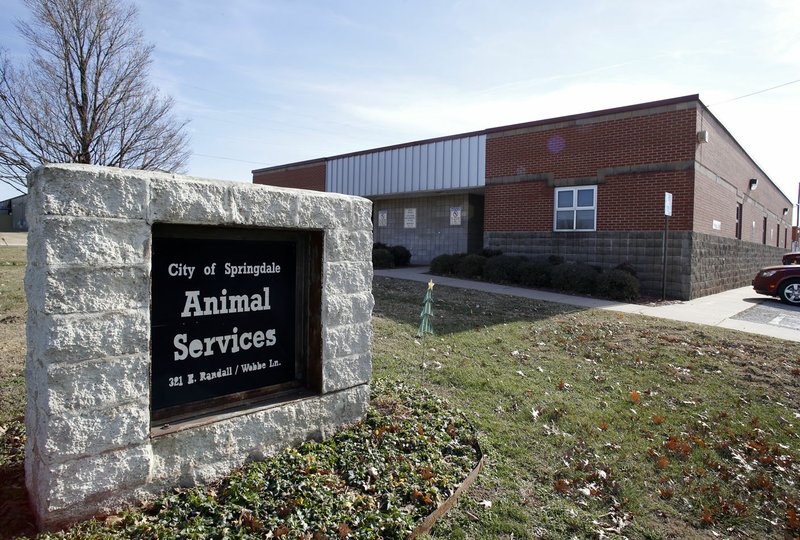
(378,479)
(595,425)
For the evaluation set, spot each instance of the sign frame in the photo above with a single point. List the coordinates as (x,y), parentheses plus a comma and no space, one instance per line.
(307,344)
(409,218)
(455,216)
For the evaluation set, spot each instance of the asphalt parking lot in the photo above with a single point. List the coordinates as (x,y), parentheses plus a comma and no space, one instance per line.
(773,312)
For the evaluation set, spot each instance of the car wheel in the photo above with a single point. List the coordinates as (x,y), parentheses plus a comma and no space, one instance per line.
(789,292)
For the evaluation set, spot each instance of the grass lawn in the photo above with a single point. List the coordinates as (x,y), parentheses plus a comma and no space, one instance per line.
(599,424)
(595,424)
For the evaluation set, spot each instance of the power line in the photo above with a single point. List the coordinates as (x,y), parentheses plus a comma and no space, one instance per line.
(755,93)
(230,159)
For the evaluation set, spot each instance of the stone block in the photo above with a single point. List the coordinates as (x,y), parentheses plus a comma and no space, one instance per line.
(346,278)
(74,338)
(342,408)
(265,206)
(341,373)
(108,193)
(343,246)
(98,383)
(55,290)
(74,487)
(346,309)
(325,213)
(348,340)
(88,241)
(334,211)
(190,201)
(95,431)
(204,454)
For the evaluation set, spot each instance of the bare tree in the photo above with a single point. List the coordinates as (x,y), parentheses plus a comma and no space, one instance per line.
(84,97)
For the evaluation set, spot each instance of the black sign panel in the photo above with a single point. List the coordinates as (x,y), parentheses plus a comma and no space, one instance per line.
(224,318)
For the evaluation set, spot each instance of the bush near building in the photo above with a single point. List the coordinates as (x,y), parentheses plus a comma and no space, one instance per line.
(471,266)
(393,256)
(401,255)
(445,265)
(535,273)
(382,258)
(619,283)
(503,268)
(575,277)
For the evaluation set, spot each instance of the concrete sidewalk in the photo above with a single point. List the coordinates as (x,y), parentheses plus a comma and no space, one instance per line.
(714,310)
(13,239)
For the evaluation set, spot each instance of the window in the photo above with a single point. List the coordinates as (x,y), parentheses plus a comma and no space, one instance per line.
(575,208)
(739,221)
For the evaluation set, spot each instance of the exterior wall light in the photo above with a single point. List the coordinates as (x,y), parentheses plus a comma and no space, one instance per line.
(785,211)
(702,137)
(753,183)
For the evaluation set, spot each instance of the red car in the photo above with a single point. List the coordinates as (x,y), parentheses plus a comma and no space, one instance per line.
(791,258)
(781,281)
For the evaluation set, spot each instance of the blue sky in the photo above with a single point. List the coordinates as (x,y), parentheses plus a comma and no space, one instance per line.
(271,82)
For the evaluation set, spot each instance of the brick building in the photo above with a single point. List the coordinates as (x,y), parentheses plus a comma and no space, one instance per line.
(588,187)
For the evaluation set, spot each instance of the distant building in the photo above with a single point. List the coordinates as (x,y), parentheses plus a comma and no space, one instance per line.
(12,214)
(587,187)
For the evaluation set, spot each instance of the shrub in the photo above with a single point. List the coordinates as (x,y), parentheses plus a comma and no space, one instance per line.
(379,245)
(445,264)
(503,268)
(626,267)
(535,273)
(618,284)
(555,260)
(487,252)
(471,266)
(382,258)
(580,278)
(401,255)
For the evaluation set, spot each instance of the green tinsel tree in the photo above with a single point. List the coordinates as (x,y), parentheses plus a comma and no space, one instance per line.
(425,325)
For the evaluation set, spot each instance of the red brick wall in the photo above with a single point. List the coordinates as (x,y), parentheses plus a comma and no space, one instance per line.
(523,206)
(625,202)
(723,162)
(632,201)
(580,150)
(310,176)
(635,202)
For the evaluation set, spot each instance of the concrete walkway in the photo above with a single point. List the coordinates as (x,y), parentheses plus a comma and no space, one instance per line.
(13,239)
(714,310)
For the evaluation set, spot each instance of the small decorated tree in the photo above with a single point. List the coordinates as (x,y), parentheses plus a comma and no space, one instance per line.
(425,325)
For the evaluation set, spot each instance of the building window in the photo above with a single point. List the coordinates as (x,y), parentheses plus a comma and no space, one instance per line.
(764,233)
(739,221)
(575,208)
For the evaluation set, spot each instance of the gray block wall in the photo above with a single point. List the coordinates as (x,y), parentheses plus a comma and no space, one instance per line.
(697,264)
(433,234)
(719,264)
(91,448)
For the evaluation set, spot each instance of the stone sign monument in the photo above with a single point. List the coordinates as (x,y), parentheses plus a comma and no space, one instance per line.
(179,327)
